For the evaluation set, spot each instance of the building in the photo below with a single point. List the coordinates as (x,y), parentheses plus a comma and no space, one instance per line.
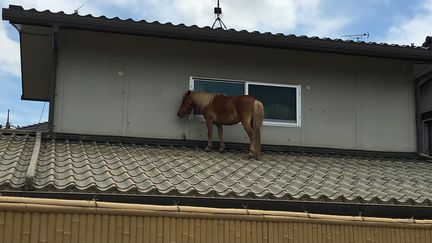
(343,150)
(423,80)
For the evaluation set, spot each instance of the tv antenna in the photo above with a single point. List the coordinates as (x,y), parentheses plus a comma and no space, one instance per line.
(358,37)
(82,5)
(218,19)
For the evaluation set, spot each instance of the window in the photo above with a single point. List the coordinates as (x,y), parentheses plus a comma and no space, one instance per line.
(222,87)
(281,101)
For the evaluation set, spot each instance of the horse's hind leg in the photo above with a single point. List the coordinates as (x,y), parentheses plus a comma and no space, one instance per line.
(248,128)
(209,135)
(220,133)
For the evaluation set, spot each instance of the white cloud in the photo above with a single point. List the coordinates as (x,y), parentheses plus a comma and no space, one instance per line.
(304,16)
(276,16)
(9,53)
(9,48)
(414,29)
(307,16)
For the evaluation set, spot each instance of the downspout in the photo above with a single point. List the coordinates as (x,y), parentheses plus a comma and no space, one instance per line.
(418,118)
(52,84)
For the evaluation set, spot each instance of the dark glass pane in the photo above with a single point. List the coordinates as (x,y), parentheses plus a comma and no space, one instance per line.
(226,88)
(220,87)
(280,103)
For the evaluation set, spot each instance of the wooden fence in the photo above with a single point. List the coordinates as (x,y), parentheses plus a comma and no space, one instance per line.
(48,220)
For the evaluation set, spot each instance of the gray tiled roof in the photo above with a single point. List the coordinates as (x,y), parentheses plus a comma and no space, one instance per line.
(77,166)
(15,153)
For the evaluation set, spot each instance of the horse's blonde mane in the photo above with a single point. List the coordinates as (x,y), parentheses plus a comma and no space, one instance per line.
(202,99)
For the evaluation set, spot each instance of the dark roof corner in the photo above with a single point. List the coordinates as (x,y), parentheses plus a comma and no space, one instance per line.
(5,15)
(428,42)
(15,7)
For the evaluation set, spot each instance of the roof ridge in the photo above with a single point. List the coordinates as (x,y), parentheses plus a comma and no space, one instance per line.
(33,163)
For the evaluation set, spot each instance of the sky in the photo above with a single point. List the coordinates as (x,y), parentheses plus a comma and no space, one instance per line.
(387,21)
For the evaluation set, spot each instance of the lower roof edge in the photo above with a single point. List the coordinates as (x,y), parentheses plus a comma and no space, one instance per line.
(413,212)
(92,207)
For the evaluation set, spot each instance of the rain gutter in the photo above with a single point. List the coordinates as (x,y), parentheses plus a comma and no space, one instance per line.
(92,207)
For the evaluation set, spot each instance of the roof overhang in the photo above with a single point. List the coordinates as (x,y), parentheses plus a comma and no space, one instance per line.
(36,49)
(36,61)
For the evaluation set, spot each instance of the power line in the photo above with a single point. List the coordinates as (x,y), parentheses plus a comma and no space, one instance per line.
(40,118)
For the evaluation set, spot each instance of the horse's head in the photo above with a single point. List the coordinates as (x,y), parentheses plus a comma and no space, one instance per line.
(186,105)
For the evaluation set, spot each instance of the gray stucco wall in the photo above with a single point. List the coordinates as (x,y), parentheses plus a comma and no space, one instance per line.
(353,102)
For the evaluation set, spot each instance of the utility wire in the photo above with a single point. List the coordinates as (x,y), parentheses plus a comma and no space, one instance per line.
(40,118)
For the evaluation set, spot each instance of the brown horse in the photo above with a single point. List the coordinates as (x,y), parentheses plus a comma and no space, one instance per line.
(227,110)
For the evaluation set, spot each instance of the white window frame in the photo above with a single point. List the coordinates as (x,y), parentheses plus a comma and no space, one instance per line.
(246,92)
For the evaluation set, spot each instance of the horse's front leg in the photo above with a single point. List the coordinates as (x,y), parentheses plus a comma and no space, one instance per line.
(209,123)
(220,133)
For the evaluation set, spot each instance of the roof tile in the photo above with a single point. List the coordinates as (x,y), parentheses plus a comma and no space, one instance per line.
(78,166)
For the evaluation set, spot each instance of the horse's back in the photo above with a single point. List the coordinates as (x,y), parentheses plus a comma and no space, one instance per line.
(241,102)
(232,109)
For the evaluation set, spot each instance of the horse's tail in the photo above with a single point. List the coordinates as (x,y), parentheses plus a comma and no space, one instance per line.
(257,120)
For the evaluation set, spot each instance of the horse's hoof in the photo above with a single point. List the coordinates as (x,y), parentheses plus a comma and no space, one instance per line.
(221,150)
(207,149)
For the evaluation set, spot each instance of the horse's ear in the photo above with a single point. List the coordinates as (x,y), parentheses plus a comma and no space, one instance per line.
(188,92)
